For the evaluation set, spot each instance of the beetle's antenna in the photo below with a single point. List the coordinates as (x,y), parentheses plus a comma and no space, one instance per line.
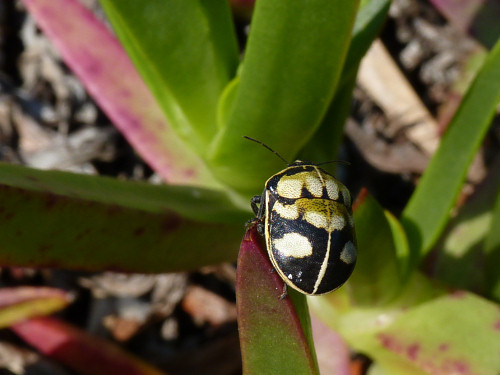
(335,161)
(269,148)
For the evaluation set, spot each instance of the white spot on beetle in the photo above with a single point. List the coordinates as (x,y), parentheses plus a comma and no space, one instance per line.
(348,254)
(332,188)
(290,276)
(287,211)
(314,185)
(337,222)
(290,187)
(318,219)
(293,245)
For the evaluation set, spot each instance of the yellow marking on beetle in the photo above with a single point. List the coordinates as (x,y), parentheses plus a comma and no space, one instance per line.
(291,186)
(293,245)
(348,254)
(324,265)
(287,211)
(322,213)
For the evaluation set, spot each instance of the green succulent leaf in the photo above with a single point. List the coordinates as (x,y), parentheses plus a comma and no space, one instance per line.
(369,20)
(419,329)
(455,333)
(186,52)
(461,258)
(376,278)
(275,334)
(427,213)
(59,219)
(425,330)
(293,60)
(96,57)
(325,143)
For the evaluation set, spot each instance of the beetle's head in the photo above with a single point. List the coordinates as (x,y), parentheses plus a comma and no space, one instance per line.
(298,163)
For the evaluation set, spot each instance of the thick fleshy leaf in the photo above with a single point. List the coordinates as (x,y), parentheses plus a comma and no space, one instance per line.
(272,337)
(78,350)
(378,369)
(26,302)
(186,53)
(59,219)
(401,244)
(94,54)
(427,213)
(324,145)
(376,278)
(459,258)
(454,334)
(357,323)
(331,349)
(293,60)
(326,141)
(470,68)
(369,21)
(422,331)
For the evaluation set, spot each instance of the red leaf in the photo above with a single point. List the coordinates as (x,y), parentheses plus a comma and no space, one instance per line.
(78,350)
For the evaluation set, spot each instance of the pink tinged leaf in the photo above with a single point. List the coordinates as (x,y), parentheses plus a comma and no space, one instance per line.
(271,336)
(453,334)
(331,350)
(98,59)
(478,17)
(25,302)
(461,13)
(78,350)
(496,325)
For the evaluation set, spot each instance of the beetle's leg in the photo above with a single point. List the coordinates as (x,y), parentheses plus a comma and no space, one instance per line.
(260,228)
(258,223)
(285,292)
(250,223)
(254,202)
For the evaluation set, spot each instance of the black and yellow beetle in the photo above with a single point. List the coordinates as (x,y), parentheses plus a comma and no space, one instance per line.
(306,217)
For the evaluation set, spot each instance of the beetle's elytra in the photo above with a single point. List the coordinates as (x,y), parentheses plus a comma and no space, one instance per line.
(306,216)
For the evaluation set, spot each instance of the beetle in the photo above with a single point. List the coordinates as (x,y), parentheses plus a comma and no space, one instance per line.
(305,215)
